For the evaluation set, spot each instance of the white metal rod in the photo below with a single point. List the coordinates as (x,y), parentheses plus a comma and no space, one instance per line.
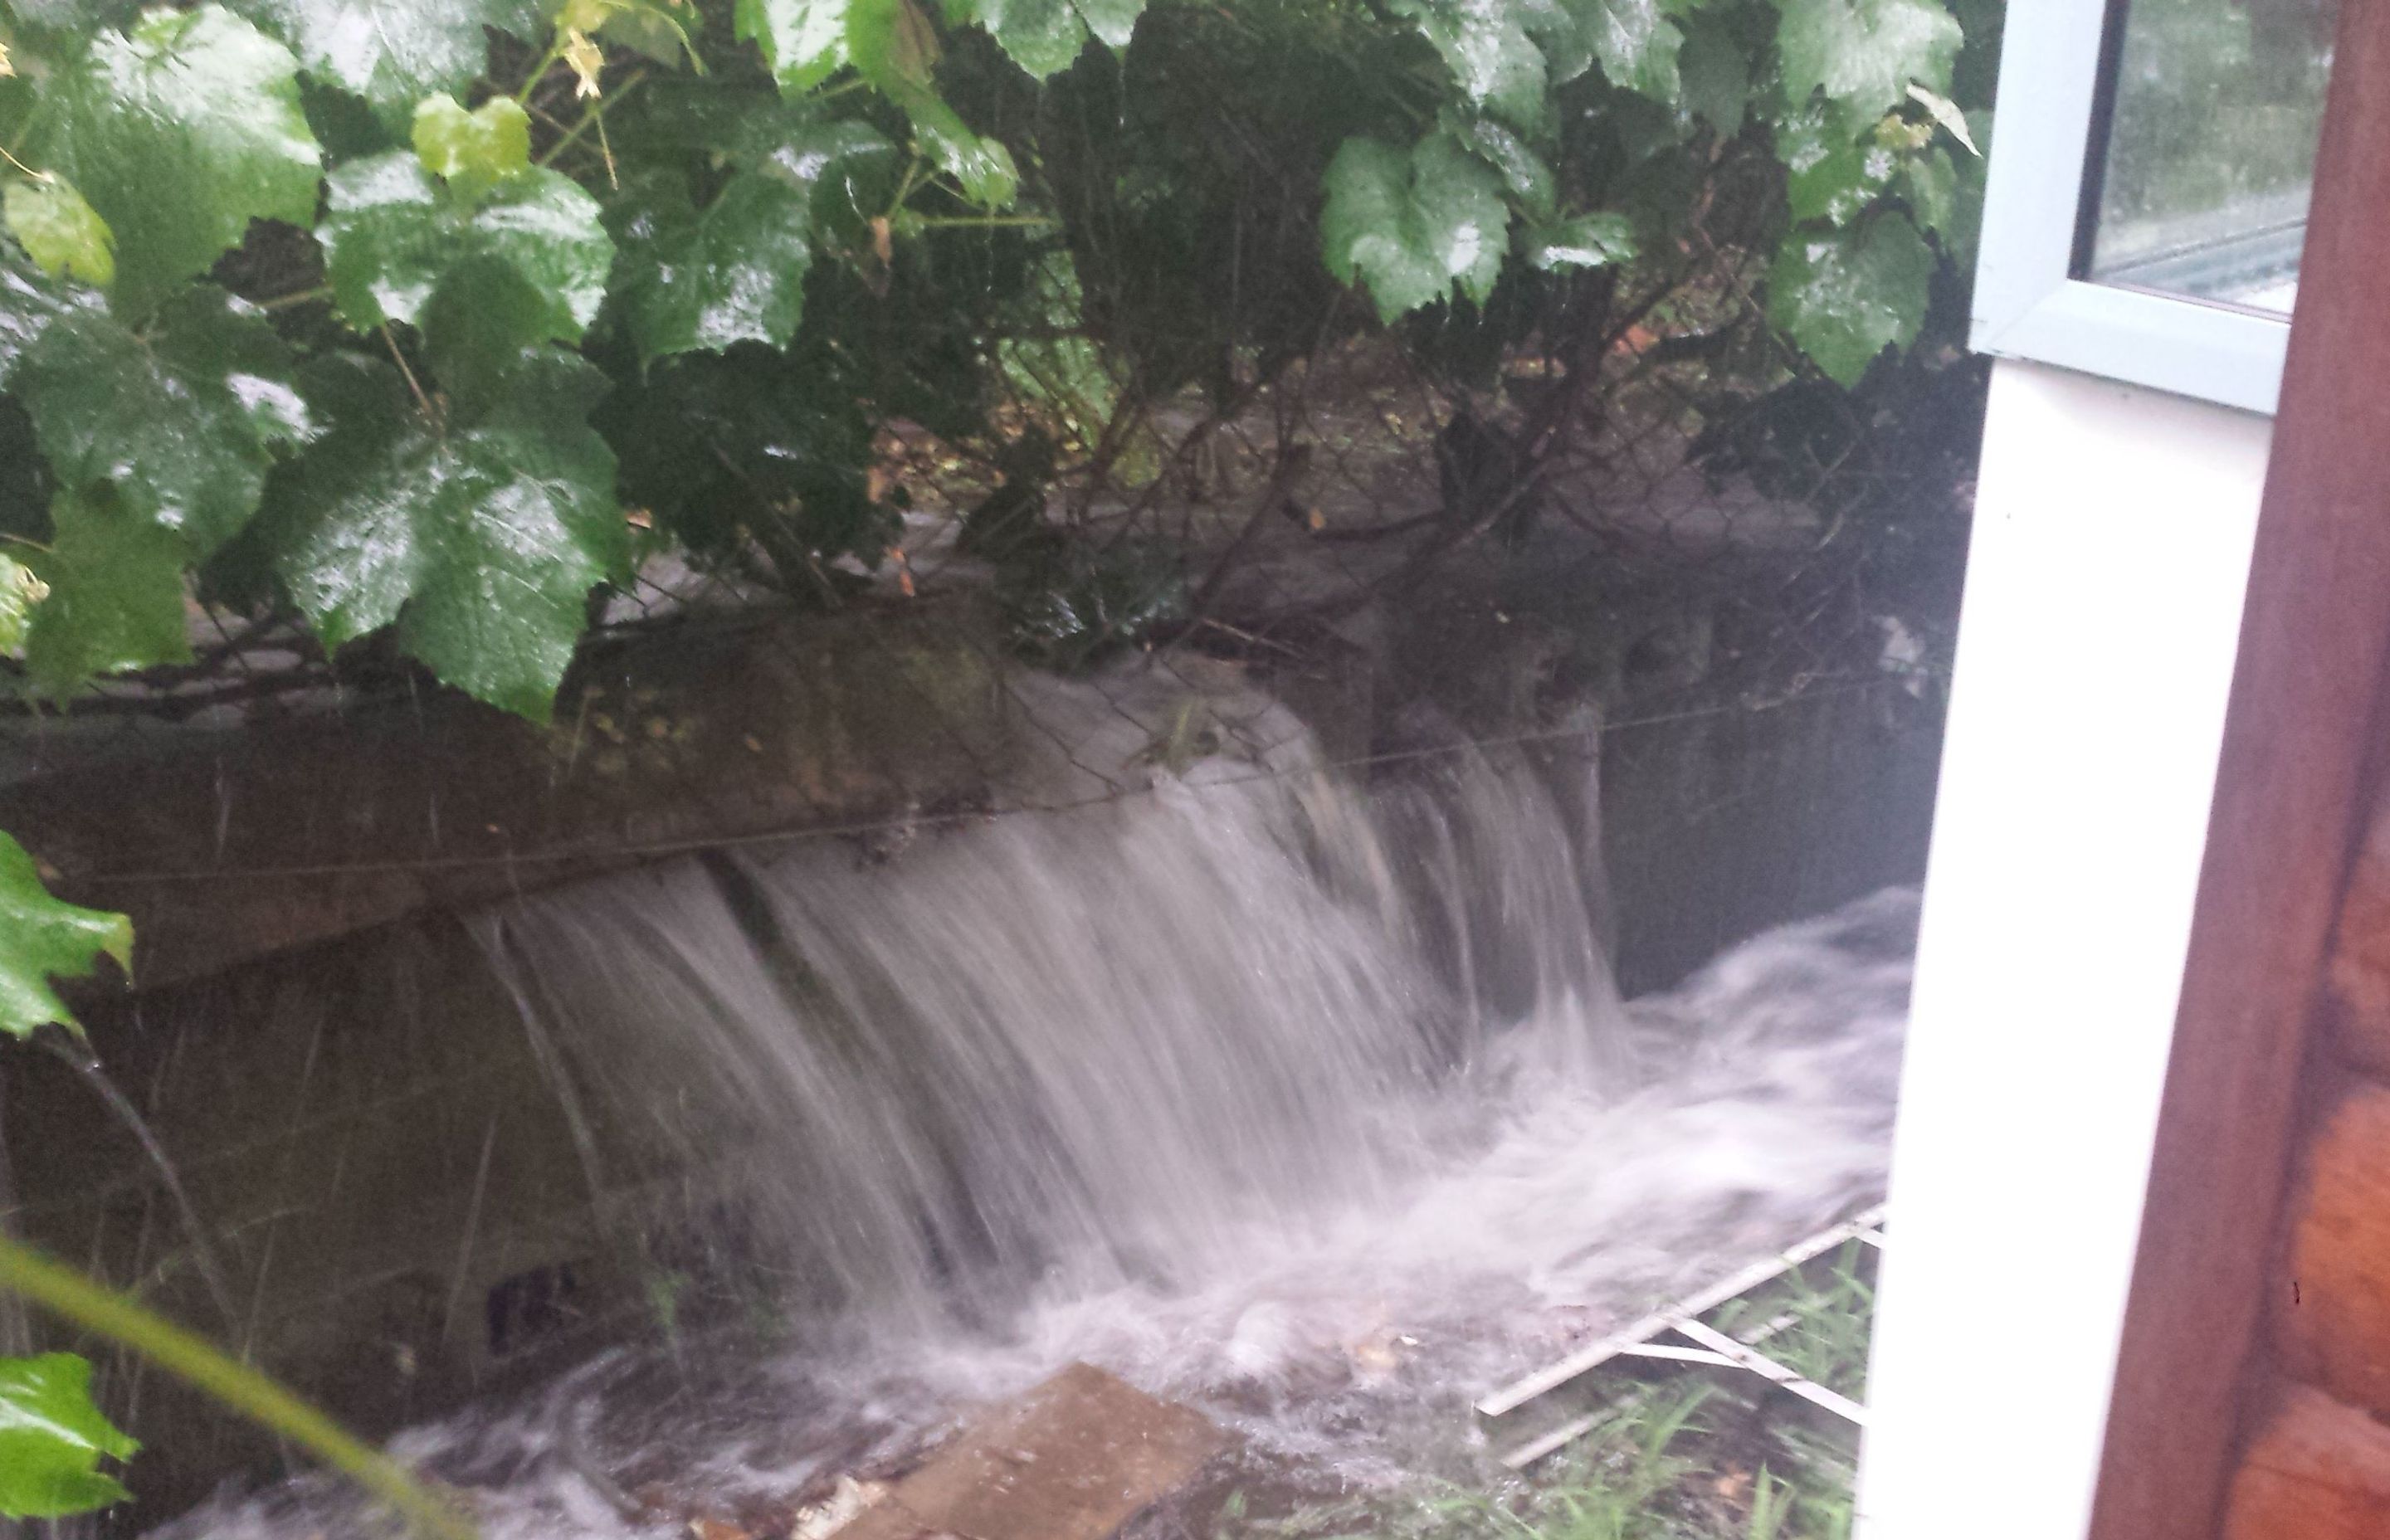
(1769,1369)
(1519,1394)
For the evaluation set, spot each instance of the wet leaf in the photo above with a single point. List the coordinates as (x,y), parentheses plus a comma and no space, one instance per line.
(803,42)
(1714,76)
(1833,170)
(391,236)
(30,304)
(182,421)
(1047,36)
(1113,22)
(116,595)
(63,234)
(1588,240)
(472,151)
(1412,225)
(1529,179)
(735,272)
(479,537)
(72,18)
(39,941)
(1042,36)
(1485,45)
(52,1438)
(1636,43)
(179,134)
(1065,371)
(846,168)
(650,27)
(1846,296)
(1864,54)
(1946,196)
(1930,183)
(393,52)
(892,42)
(20,591)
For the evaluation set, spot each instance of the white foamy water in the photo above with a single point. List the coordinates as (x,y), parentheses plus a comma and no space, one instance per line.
(1309,1103)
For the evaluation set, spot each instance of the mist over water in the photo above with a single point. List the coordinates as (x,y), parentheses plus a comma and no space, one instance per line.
(1309,1102)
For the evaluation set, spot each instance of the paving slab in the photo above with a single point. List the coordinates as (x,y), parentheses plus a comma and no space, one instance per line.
(1074,1460)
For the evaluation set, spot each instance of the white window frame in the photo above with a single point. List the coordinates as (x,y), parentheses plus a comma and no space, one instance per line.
(2028,303)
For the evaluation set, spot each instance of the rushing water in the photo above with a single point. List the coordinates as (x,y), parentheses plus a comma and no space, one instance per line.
(1309,1102)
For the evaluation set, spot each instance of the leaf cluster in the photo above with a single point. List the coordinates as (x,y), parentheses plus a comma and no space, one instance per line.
(426,319)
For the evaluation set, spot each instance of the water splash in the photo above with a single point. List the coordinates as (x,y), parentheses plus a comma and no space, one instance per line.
(1310,1103)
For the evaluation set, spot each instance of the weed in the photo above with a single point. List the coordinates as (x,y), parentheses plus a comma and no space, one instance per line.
(1669,1461)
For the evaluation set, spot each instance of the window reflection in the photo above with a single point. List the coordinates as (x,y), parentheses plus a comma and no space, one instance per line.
(2211,148)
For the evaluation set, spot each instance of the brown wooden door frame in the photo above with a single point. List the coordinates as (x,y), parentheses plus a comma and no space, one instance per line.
(2294,781)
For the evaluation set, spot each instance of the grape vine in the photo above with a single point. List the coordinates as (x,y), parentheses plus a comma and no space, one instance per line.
(387,313)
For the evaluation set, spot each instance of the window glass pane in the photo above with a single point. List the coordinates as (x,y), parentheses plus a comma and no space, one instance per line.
(2211,147)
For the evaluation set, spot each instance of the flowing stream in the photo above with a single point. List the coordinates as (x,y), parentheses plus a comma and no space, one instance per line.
(1305,1100)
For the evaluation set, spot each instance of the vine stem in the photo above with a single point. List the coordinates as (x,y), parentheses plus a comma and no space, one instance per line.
(64,1292)
(539,71)
(592,117)
(904,187)
(985,222)
(400,359)
(303,296)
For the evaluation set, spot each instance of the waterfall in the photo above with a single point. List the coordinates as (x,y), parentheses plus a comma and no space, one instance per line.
(1130,1039)
(1301,1096)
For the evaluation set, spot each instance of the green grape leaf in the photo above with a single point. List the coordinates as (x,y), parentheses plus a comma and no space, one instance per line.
(1714,76)
(28,306)
(1846,295)
(1560,35)
(1412,225)
(846,168)
(116,595)
(480,536)
(673,118)
(1485,45)
(1864,54)
(1634,41)
(391,236)
(472,151)
(1065,369)
(1930,185)
(1946,196)
(1113,22)
(474,326)
(20,591)
(182,420)
(892,44)
(1042,36)
(1529,179)
(699,282)
(51,1436)
(1588,240)
(651,28)
(803,42)
(71,19)
(63,234)
(1833,170)
(179,134)
(1046,36)
(393,52)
